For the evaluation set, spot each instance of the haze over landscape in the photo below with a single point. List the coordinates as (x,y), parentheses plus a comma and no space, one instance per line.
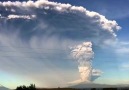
(59,43)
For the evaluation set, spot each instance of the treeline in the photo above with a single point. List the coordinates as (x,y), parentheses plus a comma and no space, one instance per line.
(23,87)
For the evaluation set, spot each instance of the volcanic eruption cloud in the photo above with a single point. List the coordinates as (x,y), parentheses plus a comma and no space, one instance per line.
(53,26)
(84,55)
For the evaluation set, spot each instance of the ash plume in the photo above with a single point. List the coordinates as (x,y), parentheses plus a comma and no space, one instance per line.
(83,54)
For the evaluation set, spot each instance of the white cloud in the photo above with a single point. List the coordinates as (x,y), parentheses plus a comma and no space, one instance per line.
(124,43)
(122,50)
(12,10)
(96,72)
(21,16)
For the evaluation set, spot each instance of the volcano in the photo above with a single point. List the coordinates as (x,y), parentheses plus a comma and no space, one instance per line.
(95,85)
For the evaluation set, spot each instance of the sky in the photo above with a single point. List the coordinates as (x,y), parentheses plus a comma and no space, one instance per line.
(37,37)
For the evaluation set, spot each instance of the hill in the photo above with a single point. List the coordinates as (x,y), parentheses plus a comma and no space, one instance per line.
(95,85)
(3,88)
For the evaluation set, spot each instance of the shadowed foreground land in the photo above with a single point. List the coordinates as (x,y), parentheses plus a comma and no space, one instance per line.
(83,89)
(33,87)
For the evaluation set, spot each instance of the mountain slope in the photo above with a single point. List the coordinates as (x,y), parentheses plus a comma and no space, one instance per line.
(94,85)
(3,88)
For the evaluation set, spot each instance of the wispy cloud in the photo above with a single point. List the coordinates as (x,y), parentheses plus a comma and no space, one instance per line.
(125,66)
(122,47)
(123,50)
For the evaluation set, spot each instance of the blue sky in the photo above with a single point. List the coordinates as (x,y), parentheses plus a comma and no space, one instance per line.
(114,10)
(35,43)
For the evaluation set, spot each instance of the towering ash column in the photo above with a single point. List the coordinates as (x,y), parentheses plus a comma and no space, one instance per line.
(83,54)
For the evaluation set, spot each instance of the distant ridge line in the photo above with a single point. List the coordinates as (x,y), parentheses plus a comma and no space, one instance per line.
(2,85)
(5,88)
